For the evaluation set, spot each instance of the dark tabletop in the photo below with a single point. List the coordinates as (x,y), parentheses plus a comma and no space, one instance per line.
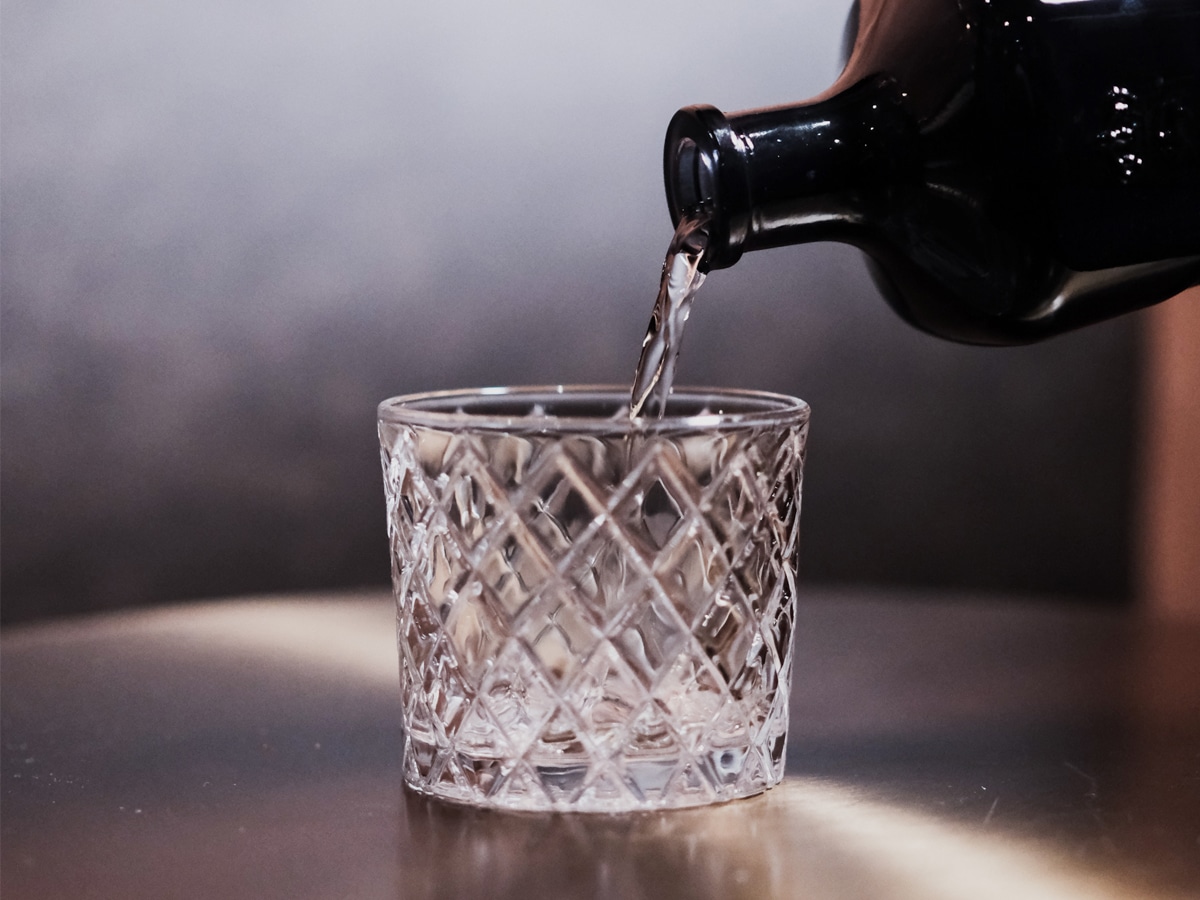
(941,747)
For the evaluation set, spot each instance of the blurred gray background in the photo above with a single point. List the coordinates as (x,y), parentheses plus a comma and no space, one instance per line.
(230,228)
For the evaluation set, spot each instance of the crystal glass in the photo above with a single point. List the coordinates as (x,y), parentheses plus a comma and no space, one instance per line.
(594,613)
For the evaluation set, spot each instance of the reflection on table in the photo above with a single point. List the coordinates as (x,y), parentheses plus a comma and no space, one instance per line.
(940,748)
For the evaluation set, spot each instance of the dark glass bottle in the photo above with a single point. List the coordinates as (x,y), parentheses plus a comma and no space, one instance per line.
(1013,168)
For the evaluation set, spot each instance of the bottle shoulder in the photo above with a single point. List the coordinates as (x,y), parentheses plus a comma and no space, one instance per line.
(1076,124)
(1016,167)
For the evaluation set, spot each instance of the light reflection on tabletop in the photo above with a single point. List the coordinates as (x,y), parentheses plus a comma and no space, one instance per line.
(806,838)
(249,749)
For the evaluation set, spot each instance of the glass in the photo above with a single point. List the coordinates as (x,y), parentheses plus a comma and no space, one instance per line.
(594,613)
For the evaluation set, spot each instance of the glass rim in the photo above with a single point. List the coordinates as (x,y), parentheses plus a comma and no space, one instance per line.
(447,409)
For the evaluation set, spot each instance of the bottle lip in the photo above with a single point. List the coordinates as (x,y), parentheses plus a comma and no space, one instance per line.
(704,172)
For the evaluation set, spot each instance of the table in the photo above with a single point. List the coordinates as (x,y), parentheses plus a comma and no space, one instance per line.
(942,747)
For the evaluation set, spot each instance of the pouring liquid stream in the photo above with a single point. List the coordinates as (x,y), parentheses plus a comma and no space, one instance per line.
(683,273)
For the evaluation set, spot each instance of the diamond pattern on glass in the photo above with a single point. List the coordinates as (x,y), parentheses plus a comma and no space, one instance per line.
(692,570)
(661,503)
(605,576)
(517,696)
(513,570)
(692,695)
(474,632)
(651,636)
(731,507)
(593,623)
(606,695)
(559,634)
(726,633)
(473,497)
(559,503)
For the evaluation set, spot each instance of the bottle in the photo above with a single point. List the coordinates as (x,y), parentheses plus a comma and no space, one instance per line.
(1012,168)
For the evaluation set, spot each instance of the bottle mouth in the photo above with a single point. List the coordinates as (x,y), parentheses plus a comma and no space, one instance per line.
(695,177)
(705,176)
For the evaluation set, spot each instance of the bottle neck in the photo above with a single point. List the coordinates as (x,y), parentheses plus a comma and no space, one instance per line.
(788,174)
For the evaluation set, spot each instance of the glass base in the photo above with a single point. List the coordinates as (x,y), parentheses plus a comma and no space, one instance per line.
(645,783)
